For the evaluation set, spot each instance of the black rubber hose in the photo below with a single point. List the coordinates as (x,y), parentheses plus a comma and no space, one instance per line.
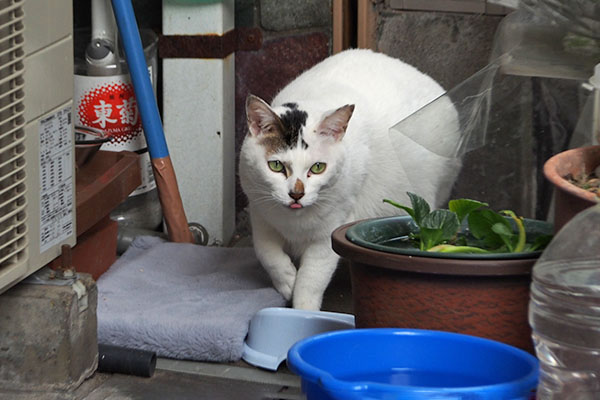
(122,360)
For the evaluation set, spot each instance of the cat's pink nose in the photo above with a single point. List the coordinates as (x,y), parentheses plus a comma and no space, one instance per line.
(296,196)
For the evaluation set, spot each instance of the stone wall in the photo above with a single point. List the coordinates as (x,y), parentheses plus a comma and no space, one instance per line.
(449,47)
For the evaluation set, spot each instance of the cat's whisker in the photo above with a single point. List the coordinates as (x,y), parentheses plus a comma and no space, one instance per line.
(327,197)
(263,201)
(259,194)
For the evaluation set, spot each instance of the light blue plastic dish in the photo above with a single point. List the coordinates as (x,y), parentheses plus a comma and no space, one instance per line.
(274,330)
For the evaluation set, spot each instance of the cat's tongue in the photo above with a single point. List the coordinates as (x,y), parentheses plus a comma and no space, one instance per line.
(295,205)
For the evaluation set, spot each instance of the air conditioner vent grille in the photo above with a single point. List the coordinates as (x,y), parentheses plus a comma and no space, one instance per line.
(13,228)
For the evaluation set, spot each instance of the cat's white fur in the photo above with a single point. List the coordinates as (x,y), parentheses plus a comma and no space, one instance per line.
(362,165)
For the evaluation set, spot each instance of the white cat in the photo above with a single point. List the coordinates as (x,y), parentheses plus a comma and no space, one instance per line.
(321,156)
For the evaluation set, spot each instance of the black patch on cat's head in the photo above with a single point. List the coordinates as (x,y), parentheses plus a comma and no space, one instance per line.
(293,122)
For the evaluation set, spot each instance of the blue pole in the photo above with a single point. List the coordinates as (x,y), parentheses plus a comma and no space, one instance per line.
(142,86)
(166,182)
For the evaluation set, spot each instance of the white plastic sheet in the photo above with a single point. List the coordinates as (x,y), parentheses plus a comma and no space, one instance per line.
(531,101)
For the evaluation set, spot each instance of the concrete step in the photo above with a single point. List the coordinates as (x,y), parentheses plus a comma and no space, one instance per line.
(48,334)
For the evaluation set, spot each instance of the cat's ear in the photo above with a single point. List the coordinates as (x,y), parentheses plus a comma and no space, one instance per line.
(261,118)
(335,123)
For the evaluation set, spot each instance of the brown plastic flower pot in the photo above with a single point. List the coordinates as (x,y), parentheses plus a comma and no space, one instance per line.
(480,297)
(569,199)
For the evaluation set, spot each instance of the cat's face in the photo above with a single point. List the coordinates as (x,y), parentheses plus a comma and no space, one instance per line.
(295,155)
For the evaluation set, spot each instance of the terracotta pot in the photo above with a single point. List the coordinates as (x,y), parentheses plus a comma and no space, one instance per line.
(570,199)
(480,297)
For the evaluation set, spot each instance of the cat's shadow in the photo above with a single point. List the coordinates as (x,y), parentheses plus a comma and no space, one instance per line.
(338,296)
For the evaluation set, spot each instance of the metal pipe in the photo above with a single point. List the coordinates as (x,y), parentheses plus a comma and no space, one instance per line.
(128,234)
(103,21)
(127,361)
(101,54)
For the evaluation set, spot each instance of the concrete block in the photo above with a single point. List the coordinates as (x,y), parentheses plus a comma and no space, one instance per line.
(245,11)
(501,172)
(285,15)
(459,6)
(448,47)
(463,6)
(495,9)
(48,337)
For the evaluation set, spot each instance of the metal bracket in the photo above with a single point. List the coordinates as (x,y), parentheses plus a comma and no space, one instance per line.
(64,275)
(209,46)
(47,276)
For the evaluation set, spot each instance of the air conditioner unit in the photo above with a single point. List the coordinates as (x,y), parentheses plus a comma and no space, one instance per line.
(37,159)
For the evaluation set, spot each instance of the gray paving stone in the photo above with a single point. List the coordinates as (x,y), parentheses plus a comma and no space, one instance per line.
(181,386)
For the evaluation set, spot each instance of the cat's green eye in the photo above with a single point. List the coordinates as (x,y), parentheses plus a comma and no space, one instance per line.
(318,168)
(276,166)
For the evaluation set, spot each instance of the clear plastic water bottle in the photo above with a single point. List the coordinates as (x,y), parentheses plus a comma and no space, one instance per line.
(564,311)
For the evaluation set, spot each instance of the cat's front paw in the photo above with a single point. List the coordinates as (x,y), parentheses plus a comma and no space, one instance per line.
(313,303)
(284,282)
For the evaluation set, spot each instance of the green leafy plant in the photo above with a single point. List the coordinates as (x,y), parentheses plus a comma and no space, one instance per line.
(488,231)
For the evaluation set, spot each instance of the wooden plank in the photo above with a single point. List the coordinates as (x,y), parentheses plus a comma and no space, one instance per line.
(366,22)
(338,25)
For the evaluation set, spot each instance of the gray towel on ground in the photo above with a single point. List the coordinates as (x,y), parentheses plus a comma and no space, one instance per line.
(182,301)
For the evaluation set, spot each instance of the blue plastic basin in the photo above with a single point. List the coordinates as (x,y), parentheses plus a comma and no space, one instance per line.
(410,364)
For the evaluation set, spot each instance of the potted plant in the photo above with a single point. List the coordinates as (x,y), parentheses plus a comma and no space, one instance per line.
(572,173)
(482,292)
